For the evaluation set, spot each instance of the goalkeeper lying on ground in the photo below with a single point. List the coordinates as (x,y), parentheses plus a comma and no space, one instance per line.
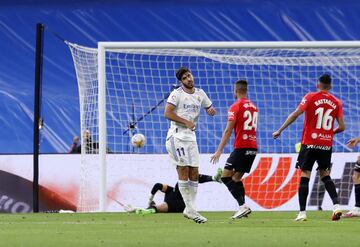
(173,201)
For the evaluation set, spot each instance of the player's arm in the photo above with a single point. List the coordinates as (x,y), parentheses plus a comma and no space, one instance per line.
(340,120)
(341,126)
(353,142)
(170,114)
(224,140)
(207,104)
(210,111)
(290,119)
(156,188)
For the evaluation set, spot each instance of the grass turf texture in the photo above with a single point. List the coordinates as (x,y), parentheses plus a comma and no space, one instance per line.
(121,229)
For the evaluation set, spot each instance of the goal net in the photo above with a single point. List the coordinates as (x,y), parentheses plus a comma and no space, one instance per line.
(138,80)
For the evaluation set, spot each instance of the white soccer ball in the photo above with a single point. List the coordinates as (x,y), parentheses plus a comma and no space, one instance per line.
(138,140)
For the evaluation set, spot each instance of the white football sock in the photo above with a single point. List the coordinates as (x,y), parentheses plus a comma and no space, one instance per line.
(193,186)
(185,193)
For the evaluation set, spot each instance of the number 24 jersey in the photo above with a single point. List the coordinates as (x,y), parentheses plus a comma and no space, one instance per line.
(245,114)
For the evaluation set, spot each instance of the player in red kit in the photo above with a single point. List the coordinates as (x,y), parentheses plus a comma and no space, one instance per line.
(321,110)
(242,118)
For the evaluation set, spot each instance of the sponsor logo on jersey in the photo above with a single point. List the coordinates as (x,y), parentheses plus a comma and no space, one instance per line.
(314,135)
(231,114)
(245,136)
(325,136)
(252,137)
(318,147)
(191,106)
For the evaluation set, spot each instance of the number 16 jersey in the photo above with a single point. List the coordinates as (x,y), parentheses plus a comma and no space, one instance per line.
(245,115)
(321,109)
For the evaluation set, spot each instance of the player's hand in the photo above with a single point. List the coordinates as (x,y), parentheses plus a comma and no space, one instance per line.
(352,142)
(211,111)
(190,125)
(151,201)
(276,134)
(215,158)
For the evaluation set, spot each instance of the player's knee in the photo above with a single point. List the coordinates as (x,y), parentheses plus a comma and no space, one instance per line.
(237,177)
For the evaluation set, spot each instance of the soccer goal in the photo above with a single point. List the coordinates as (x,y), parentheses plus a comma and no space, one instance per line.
(123,87)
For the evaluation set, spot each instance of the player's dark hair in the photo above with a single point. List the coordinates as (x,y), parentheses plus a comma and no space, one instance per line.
(180,72)
(241,85)
(325,79)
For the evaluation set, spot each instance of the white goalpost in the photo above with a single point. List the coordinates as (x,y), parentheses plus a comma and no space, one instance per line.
(123,86)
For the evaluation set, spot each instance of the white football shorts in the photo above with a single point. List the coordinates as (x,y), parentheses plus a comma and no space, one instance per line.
(182,153)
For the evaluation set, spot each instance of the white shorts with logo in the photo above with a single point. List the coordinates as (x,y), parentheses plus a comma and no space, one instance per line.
(183,153)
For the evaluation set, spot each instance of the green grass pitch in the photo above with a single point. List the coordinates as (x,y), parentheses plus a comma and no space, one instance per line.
(121,229)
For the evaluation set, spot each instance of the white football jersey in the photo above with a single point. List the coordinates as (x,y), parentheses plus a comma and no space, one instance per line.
(187,106)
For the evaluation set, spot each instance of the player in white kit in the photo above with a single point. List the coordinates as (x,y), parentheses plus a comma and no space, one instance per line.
(183,109)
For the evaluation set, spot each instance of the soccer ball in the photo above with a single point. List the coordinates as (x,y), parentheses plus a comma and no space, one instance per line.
(138,140)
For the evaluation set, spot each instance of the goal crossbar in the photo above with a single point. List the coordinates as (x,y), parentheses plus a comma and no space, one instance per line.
(228,45)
